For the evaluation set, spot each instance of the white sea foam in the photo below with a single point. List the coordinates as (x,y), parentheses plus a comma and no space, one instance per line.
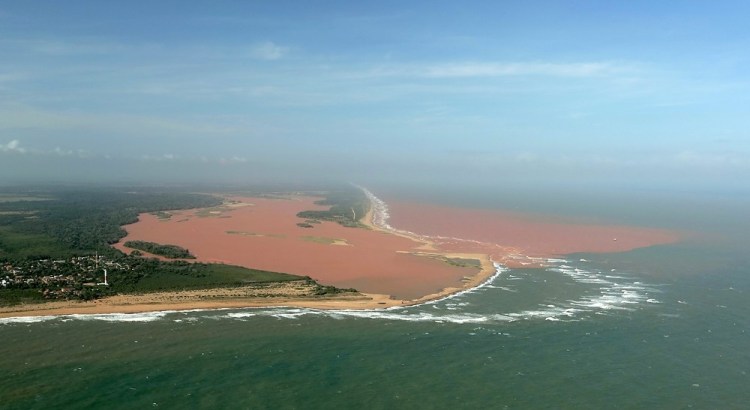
(608,295)
(505,288)
(400,314)
(25,319)
(106,317)
(499,270)
(610,292)
(123,317)
(614,292)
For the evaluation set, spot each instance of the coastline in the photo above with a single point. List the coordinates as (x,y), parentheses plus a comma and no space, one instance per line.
(281,295)
(377,219)
(220,298)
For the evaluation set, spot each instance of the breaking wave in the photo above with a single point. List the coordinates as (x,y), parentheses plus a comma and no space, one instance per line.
(602,293)
(608,294)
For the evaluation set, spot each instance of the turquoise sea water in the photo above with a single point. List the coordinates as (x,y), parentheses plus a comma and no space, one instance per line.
(661,327)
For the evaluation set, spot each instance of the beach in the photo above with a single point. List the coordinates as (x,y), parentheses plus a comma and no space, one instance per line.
(275,294)
(661,326)
(388,266)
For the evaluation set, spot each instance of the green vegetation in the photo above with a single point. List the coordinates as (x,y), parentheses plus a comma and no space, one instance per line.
(324,240)
(59,247)
(21,197)
(258,235)
(332,290)
(464,263)
(155,276)
(213,212)
(167,251)
(162,216)
(9,297)
(76,222)
(80,278)
(21,245)
(348,207)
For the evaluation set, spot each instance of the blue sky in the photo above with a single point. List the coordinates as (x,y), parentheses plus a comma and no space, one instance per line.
(536,90)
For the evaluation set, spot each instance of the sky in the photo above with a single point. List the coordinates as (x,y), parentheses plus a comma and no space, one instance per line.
(237,91)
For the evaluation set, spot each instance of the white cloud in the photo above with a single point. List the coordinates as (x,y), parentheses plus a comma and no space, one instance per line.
(160,158)
(15,146)
(527,157)
(54,47)
(502,69)
(232,160)
(709,159)
(516,69)
(12,146)
(9,77)
(62,152)
(16,116)
(269,51)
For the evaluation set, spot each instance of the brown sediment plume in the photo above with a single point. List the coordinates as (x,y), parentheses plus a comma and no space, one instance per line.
(516,239)
(395,267)
(266,236)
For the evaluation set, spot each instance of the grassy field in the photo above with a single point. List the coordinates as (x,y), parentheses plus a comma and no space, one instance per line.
(324,240)
(21,198)
(202,276)
(10,297)
(256,234)
(25,245)
(464,263)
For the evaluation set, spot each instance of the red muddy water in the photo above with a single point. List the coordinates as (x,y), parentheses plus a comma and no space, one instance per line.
(267,237)
(264,235)
(503,231)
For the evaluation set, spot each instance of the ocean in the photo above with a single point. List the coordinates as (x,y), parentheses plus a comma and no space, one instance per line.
(659,327)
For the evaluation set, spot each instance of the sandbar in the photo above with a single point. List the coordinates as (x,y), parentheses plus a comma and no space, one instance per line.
(388,266)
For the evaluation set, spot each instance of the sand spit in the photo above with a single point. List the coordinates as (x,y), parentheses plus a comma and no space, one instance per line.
(397,262)
(295,293)
(392,267)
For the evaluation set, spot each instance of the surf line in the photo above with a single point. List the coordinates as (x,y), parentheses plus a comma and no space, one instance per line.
(377,218)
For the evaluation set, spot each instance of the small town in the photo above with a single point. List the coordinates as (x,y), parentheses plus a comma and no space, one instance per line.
(59,278)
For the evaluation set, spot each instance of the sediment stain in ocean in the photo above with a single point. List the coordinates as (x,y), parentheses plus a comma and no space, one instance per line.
(590,331)
(387,260)
(500,232)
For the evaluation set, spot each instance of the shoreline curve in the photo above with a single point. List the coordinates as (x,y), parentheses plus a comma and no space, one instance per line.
(233,298)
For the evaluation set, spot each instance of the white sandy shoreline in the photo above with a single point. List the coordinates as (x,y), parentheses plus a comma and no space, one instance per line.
(234,298)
